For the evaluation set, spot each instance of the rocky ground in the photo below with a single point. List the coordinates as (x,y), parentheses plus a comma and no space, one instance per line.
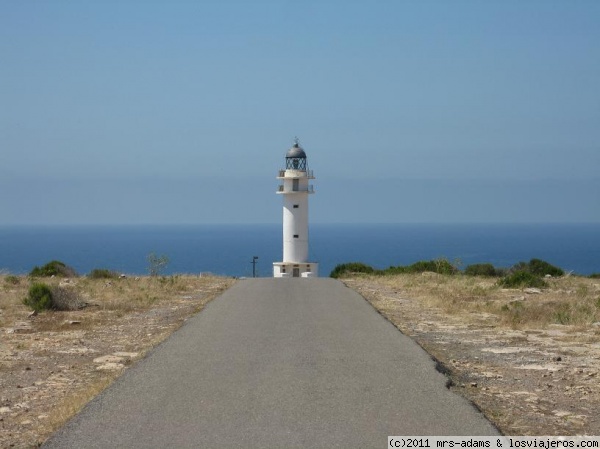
(54,363)
(529,359)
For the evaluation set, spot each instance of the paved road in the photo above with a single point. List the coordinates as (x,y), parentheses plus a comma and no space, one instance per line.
(276,363)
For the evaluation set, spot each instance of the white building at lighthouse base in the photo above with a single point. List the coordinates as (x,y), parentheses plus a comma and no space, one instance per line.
(294,269)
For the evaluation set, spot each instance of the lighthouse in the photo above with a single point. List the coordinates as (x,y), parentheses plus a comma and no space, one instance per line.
(295,189)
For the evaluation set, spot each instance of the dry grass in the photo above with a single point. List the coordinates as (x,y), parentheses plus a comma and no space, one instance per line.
(569,300)
(11,294)
(529,361)
(73,403)
(48,370)
(115,297)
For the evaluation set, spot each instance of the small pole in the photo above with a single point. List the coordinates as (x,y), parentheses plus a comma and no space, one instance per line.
(254,259)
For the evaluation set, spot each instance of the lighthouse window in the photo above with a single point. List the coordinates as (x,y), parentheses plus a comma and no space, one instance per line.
(296,236)
(295,206)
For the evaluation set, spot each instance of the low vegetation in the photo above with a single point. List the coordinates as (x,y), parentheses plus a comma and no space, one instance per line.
(44,297)
(441,266)
(520,275)
(481,269)
(39,297)
(530,274)
(522,279)
(67,298)
(130,314)
(102,273)
(53,268)
(483,288)
(344,269)
(568,300)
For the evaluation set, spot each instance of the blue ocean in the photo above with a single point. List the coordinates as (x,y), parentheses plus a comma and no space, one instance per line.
(229,249)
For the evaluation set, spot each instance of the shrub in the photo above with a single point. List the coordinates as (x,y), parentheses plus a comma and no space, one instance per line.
(520,266)
(538,267)
(542,268)
(520,279)
(53,268)
(101,273)
(480,269)
(422,266)
(400,269)
(39,297)
(501,272)
(594,276)
(66,298)
(42,297)
(349,268)
(441,266)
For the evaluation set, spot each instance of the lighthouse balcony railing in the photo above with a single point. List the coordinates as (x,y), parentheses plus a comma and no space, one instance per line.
(309,189)
(296,174)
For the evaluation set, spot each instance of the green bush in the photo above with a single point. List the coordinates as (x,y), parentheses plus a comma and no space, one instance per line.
(441,266)
(538,267)
(42,297)
(422,266)
(521,279)
(529,274)
(520,266)
(53,268)
(594,276)
(350,268)
(481,269)
(542,268)
(400,269)
(39,297)
(101,273)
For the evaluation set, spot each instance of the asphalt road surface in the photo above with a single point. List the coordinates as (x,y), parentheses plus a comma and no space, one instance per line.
(276,363)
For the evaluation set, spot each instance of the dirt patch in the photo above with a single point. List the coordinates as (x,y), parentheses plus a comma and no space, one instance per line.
(505,350)
(53,363)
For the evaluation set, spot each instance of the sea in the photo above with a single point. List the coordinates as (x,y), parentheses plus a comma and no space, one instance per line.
(230,249)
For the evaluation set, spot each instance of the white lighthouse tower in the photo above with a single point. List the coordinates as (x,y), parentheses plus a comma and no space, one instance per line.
(295,189)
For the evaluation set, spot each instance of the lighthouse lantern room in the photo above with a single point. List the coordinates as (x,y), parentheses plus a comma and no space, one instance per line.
(295,189)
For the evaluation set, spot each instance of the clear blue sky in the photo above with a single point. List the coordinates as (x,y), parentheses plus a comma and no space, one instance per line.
(409,111)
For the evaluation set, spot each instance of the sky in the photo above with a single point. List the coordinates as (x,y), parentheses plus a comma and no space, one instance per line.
(181,112)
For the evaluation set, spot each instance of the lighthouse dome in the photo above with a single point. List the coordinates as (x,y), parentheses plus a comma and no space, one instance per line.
(296,152)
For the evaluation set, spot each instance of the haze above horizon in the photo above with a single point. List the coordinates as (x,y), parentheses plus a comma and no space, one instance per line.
(181,112)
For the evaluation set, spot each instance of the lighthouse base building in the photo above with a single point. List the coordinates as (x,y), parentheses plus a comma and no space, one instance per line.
(295,189)
(290,269)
